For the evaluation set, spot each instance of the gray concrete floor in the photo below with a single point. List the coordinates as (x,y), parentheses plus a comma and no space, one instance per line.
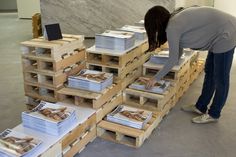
(176,136)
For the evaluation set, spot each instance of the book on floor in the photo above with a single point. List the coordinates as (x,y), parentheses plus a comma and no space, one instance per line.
(14,143)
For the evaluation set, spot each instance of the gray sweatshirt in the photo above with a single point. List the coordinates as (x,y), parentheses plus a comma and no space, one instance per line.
(199,28)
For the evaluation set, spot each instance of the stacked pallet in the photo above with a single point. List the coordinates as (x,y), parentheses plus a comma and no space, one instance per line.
(181,76)
(36,25)
(46,65)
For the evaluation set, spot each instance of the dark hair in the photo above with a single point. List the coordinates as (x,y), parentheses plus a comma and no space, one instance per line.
(155,21)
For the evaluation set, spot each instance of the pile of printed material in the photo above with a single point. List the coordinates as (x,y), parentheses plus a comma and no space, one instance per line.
(140,23)
(140,32)
(90,80)
(162,57)
(50,118)
(160,87)
(13,144)
(115,40)
(129,116)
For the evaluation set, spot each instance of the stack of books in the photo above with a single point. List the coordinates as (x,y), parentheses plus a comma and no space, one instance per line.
(162,57)
(140,23)
(129,116)
(90,80)
(50,118)
(140,32)
(115,40)
(14,144)
(160,87)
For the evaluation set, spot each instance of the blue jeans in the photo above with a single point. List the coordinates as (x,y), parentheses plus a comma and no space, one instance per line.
(217,78)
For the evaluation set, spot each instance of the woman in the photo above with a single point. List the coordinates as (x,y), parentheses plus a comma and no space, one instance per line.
(199,28)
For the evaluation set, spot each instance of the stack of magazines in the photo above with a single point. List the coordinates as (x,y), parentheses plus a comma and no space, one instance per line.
(13,144)
(90,80)
(49,118)
(160,87)
(129,116)
(140,32)
(115,40)
(163,56)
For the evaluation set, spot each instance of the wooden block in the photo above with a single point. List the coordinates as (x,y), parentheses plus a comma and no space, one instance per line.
(126,135)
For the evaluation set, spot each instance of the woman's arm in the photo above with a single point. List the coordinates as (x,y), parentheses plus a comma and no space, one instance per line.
(173,38)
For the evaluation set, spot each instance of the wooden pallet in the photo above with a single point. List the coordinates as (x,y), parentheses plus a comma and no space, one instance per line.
(150,69)
(32,62)
(109,106)
(40,92)
(87,98)
(31,102)
(51,79)
(120,73)
(130,77)
(79,145)
(75,136)
(127,135)
(56,49)
(146,100)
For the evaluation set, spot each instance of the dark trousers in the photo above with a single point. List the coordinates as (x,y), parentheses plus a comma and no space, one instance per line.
(217,78)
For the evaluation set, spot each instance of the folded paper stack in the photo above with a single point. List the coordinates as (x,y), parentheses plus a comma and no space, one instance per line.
(140,32)
(162,57)
(129,116)
(115,40)
(160,87)
(90,80)
(50,118)
(14,144)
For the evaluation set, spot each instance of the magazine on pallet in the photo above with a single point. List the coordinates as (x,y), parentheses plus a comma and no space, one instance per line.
(162,57)
(160,87)
(90,80)
(14,143)
(115,40)
(130,116)
(140,32)
(49,118)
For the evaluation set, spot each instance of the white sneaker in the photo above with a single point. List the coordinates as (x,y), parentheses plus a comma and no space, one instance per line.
(203,119)
(191,108)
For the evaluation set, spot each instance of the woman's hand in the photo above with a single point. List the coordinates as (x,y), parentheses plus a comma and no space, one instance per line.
(151,83)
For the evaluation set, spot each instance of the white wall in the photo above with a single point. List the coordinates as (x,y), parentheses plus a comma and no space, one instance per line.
(228,6)
(27,8)
(188,3)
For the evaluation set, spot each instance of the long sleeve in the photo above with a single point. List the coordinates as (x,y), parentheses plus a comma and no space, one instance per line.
(173,38)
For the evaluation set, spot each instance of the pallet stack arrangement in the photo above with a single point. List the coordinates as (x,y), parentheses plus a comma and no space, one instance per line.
(47,65)
(181,77)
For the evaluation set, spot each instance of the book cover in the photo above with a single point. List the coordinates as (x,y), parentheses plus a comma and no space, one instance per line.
(50,112)
(17,144)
